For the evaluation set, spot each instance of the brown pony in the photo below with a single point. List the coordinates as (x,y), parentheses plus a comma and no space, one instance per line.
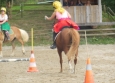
(68,41)
(19,34)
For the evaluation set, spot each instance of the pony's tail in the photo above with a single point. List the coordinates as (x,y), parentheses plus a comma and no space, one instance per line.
(74,45)
(24,35)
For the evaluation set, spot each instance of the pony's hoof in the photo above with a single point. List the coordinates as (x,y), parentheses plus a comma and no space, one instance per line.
(60,72)
(1,56)
(11,55)
(72,71)
(24,53)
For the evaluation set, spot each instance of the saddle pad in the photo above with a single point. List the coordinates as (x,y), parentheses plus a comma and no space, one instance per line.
(11,32)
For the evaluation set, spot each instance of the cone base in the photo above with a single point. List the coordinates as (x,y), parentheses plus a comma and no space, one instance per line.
(32,70)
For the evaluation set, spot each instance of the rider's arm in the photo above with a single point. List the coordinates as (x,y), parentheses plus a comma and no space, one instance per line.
(52,16)
(69,16)
(5,20)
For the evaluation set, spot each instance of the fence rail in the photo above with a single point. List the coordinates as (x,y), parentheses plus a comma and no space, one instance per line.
(24,5)
(42,37)
(90,32)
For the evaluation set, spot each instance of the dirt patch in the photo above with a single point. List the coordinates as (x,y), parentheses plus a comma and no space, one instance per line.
(47,60)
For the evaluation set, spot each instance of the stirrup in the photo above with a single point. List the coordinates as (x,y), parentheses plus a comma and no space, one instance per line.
(53,46)
(8,38)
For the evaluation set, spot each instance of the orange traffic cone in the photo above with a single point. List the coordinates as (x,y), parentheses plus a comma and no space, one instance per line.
(32,67)
(89,73)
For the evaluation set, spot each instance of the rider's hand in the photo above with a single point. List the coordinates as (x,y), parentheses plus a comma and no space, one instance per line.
(46,17)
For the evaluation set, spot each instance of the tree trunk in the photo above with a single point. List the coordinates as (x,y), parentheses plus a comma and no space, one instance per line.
(8,6)
(12,1)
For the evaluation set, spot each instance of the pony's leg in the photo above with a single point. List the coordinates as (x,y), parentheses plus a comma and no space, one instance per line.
(75,60)
(1,55)
(70,66)
(61,61)
(69,61)
(21,41)
(13,47)
(23,49)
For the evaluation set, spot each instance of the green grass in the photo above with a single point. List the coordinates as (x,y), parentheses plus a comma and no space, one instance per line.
(99,40)
(39,7)
(34,7)
(31,1)
(42,28)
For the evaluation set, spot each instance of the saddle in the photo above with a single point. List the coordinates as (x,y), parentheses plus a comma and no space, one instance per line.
(61,30)
(66,27)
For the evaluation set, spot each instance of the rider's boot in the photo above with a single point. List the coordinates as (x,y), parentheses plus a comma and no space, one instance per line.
(54,42)
(7,35)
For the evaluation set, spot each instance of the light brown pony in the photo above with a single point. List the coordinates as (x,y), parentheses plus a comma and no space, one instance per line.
(68,41)
(19,34)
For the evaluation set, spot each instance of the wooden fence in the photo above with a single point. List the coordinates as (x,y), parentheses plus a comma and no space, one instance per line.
(98,32)
(22,7)
(90,32)
(41,37)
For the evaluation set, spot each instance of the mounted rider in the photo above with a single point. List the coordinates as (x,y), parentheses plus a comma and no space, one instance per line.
(4,25)
(63,20)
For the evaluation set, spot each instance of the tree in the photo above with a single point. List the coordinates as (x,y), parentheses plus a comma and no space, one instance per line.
(7,4)
(2,2)
(109,3)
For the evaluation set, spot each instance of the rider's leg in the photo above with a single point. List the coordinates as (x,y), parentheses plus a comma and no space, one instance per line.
(54,42)
(7,34)
(4,32)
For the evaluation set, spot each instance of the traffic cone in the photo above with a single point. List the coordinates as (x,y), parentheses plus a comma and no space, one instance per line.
(89,74)
(32,67)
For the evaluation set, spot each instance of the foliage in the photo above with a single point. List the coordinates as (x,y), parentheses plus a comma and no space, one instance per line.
(109,3)
(2,2)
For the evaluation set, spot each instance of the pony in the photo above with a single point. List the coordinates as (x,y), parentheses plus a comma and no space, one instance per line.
(19,34)
(68,41)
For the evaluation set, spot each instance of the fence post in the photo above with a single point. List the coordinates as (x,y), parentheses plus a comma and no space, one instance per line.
(21,10)
(104,8)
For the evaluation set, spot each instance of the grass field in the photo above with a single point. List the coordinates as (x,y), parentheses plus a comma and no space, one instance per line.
(42,28)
